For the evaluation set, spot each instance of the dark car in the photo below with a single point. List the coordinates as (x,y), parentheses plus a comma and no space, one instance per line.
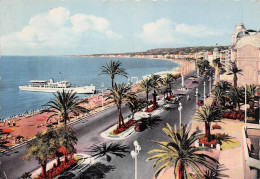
(200,103)
(195,82)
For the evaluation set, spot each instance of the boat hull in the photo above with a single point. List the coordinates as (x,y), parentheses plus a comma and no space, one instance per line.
(80,90)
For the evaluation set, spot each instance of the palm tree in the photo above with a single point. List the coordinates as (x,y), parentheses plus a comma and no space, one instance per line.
(64,104)
(180,154)
(251,94)
(236,95)
(118,94)
(208,114)
(112,69)
(202,65)
(107,150)
(234,70)
(42,148)
(222,87)
(146,85)
(167,82)
(134,103)
(155,80)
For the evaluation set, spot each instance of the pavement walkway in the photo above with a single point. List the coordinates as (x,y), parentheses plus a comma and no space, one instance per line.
(231,161)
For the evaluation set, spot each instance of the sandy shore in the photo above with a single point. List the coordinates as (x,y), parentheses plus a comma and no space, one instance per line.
(29,126)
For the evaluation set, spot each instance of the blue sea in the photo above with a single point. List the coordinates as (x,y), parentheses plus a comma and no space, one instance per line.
(82,71)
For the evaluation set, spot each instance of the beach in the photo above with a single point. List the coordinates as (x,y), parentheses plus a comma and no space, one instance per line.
(27,126)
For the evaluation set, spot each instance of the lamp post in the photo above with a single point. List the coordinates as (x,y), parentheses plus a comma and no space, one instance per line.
(197,97)
(204,84)
(209,85)
(134,154)
(102,86)
(245,105)
(180,108)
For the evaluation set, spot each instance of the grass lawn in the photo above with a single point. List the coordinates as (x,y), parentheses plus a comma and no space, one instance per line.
(230,144)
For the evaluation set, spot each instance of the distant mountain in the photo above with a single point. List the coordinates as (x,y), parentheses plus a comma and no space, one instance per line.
(183,50)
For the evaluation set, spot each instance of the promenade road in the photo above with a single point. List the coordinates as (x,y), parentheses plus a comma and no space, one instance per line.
(88,131)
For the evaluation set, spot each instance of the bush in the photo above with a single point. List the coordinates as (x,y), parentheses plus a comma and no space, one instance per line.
(216,127)
(124,127)
(234,115)
(152,108)
(55,171)
(204,140)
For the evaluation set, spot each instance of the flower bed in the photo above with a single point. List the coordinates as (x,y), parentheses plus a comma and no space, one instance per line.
(216,127)
(204,140)
(152,108)
(55,171)
(234,115)
(123,127)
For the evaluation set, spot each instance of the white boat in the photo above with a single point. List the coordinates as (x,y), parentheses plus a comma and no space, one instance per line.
(51,86)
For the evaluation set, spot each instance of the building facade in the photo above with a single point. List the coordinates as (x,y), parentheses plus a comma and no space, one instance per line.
(245,51)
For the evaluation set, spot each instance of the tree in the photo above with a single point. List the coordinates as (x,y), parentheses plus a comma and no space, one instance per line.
(112,69)
(134,103)
(63,104)
(67,140)
(107,150)
(236,95)
(208,114)
(118,94)
(167,82)
(42,148)
(222,87)
(154,80)
(202,65)
(234,70)
(251,94)
(146,85)
(179,153)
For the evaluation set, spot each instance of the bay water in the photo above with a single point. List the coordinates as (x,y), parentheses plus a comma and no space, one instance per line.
(81,71)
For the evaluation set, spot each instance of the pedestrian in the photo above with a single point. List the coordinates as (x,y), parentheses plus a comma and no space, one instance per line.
(188,97)
(9,123)
(14,124)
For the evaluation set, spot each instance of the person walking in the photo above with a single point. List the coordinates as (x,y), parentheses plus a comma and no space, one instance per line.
(188,97)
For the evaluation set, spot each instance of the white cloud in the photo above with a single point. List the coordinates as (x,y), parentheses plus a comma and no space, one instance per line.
(158,32)
(165,31)
(58,28)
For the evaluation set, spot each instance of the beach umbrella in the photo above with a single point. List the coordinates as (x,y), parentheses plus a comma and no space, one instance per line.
(41,119)
(7,130)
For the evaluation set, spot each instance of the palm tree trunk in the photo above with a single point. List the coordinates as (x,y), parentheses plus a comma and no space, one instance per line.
(181,170)
(207,131)
(120,117)
(58,161)
(235,80)
(112,81)
(43,165)
(147,99)
(251,104)
(154,99)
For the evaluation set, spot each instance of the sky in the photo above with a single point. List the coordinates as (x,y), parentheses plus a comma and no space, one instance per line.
(80,27)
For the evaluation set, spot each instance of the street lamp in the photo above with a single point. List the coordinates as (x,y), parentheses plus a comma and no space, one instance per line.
(204,84)
(134,154)
(209,85)
(102,86)
(197,97)
(245,105)
(180,108)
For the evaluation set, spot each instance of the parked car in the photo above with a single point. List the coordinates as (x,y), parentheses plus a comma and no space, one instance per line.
(200,103)
(139,127)
(195,82)
(191,78)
